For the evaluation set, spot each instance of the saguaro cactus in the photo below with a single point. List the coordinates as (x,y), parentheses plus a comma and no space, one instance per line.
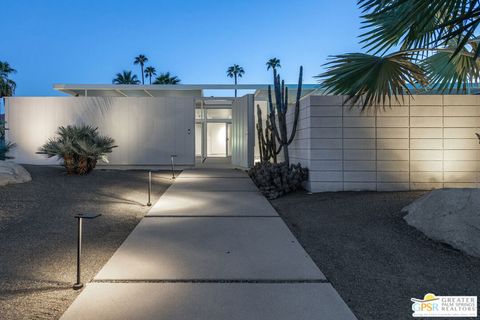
(278,113)
(266,139)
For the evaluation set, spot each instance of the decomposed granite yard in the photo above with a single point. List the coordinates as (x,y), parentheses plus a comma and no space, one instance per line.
(38,233)
(374,259)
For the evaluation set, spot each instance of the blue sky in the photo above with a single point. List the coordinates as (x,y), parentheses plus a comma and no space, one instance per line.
(89,41)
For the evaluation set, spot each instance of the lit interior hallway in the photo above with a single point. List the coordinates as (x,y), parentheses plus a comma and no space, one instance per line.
(211,248)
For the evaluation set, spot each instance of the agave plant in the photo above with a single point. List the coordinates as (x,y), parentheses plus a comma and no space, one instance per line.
(79,147)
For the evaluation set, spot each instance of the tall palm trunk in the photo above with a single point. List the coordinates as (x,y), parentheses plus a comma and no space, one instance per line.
(235,85)
(143,75)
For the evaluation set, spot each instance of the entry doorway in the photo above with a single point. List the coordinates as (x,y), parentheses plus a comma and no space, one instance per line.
(225,131)
(213,129)
(215,138)
(219,137)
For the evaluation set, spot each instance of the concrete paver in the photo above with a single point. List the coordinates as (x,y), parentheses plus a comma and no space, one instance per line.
(213,173)
(210,301)
(213,184)
(212,203)
(210,248)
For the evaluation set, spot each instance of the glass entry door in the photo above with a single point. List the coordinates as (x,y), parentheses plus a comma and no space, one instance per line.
(213,129)
(218,139)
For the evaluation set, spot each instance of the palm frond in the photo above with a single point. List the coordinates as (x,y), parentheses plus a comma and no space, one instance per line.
(273,63)
(166,78)
(140,59)
(448,72)
(126,77)
(235,71)
(417,23)
(375,80)
(76,141)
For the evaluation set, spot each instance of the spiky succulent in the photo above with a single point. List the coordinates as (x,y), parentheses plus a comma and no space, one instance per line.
(78,146)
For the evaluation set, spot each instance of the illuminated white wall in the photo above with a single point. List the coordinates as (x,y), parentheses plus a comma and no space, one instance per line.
(147,130)
(425,142)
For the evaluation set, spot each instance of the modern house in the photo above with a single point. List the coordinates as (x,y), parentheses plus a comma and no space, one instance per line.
(420,142)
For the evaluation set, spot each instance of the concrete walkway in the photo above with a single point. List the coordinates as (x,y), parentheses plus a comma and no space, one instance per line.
(211,248)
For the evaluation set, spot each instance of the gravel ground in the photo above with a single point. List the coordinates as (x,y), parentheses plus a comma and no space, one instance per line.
(38,233)
(371,256)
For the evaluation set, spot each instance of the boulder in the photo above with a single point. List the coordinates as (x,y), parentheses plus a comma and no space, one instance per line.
(11,172)
(450,216)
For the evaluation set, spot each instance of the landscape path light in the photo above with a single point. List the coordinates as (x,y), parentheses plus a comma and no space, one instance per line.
(149,187)
(173,165)
(80,218)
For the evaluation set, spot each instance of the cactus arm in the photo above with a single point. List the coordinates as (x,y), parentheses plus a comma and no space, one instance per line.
(297,106)
(283,115)
(270,101)
(262,147)
(278,95)
(272,114)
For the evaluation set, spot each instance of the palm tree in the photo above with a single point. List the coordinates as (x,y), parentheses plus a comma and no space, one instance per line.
(150,72)
(6,69)
(422,44)
(125,77)
(141,59)
(166,78)
(273,63)
(235,72)
(7,85)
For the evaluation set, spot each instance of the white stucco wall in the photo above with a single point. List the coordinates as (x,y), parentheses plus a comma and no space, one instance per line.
(146,130)
(425,142)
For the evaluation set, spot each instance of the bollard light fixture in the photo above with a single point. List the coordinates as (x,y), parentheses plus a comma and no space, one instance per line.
(173,165)
(149,203)
(80,218)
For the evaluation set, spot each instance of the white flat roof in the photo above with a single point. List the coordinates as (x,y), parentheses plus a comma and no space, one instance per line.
(131,90)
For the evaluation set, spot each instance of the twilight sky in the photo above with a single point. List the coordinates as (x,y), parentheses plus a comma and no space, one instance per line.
(88,41)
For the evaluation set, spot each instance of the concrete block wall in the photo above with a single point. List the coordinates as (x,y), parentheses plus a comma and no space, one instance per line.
(299,149)
(420,143)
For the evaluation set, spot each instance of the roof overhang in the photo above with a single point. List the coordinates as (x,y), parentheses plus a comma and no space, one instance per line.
(195,90)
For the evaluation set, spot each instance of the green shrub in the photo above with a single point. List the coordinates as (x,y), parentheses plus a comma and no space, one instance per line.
(79,148)
(5,146)
(3,127)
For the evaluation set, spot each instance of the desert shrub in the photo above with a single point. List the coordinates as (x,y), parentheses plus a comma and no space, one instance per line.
(3,127)
(277,179)
(5,146)
(79,148)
